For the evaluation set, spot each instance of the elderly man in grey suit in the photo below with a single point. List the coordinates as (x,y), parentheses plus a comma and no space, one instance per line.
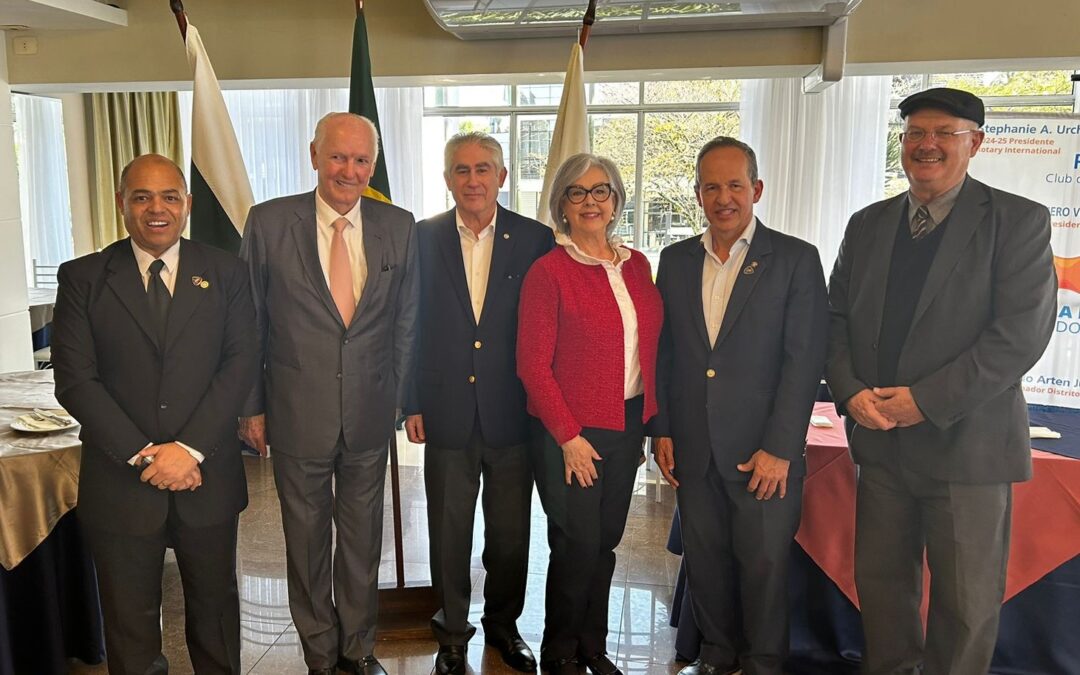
(941,299)
(336,290)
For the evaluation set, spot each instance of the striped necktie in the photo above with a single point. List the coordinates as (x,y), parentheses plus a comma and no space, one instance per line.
(922,223)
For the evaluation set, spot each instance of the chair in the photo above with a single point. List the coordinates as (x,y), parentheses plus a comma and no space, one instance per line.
(45,275)
(43,358)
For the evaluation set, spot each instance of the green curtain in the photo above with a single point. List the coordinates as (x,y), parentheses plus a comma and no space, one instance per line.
(124,125)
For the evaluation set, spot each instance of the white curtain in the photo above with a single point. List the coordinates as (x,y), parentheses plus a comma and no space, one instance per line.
(275,126)
(43,180)
(822,156)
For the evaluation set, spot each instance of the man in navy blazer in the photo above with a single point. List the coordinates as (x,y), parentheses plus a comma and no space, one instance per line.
(741,355)
(467,403)
(166,385)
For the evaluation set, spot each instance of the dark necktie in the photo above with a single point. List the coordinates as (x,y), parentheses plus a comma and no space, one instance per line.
(921,224)
(158,295)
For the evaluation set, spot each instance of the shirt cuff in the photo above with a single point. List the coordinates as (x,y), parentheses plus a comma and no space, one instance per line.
(135,458)
(195,454)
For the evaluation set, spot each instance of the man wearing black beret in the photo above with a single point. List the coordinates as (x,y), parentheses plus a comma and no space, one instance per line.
(941,299)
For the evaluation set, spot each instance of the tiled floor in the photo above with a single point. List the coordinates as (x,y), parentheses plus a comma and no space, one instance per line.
(639,640)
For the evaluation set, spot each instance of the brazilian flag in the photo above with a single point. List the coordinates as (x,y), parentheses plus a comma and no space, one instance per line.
(362,102)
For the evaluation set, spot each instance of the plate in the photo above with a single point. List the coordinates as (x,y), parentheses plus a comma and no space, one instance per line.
(34,424)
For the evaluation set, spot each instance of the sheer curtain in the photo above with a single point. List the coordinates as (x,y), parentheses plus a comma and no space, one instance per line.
(275,126)
(822,156)
(43,180)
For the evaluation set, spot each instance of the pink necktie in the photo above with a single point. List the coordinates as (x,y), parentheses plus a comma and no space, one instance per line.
(341,280)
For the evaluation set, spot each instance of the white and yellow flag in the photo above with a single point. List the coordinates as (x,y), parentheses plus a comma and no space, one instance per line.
(571,134)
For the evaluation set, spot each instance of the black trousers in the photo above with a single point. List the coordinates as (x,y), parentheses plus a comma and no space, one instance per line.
(129,571)
(584,527)
(452,479)
(736,549)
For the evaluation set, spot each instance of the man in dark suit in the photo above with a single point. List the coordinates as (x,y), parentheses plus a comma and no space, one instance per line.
(741,356)
(154,350)
(467,403)
(941,299)
(336,290)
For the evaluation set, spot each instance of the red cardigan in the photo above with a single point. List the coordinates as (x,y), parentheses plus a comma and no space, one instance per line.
(570,342)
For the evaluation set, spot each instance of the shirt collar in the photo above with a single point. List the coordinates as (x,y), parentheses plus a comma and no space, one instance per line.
(171,258)
(464,230)
(577,254)
(745,239)
(325,215)
(939,207)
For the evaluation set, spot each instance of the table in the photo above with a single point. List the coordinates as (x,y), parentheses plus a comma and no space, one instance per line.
(1042,596)
(42,301)
(49,608)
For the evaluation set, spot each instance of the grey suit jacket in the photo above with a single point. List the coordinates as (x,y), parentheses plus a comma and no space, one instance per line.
(985,316)
(322,378)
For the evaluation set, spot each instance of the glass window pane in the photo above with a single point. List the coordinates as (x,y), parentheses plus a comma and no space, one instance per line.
(437,130)
(613,93)
(472,96)
(615,137)
(895,179)
(693,91)
(1018,83)
(534,142)
(906,85)
(539,94)
(672,141)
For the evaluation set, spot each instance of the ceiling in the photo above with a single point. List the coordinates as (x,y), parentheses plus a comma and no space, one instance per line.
(59,15)
(490,19)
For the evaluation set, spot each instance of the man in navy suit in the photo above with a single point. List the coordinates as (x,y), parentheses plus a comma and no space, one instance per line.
(154,350)
(467,403)
(741,355)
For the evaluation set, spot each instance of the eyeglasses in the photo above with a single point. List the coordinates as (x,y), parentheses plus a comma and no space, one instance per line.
(576,194)
(918,135)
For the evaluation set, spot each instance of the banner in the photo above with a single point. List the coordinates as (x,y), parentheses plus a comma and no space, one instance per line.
(571,134)
(1038,157)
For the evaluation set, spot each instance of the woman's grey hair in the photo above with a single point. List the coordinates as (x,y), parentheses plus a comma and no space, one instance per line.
(464,138)
(572,169)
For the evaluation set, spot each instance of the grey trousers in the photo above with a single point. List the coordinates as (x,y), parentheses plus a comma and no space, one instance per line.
(964,531)
(333,599)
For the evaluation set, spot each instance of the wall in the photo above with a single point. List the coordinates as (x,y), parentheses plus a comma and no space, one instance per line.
(16,352)
(286,39)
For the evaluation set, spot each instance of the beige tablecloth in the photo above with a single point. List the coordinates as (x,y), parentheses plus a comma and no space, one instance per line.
(41,306)
(39,473)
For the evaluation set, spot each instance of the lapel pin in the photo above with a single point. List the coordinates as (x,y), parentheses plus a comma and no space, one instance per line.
(200,282)
(204,285)
(506,235)
(749,269)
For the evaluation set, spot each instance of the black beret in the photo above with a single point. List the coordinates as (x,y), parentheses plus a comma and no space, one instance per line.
(953,101)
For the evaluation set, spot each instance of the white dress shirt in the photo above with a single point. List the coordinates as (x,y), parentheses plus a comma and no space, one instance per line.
(325,215)
(476,252)
(171,258)
(718,278)
(632,384)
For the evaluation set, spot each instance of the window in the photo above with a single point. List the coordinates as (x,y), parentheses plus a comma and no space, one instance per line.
(44,199)
(651,130)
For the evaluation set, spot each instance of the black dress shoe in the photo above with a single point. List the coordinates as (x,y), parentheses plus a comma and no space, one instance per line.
(450,660)
(700,667)
(600,664)
(322,671)
(368,665)
(561,666)
(515,653)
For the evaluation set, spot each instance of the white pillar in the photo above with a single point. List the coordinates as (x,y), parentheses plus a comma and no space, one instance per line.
(16,352)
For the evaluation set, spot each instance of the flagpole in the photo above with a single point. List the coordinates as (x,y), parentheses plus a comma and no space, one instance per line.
(177,7)
(586,23)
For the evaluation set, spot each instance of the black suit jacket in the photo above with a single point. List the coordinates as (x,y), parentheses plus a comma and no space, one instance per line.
(127,390)
(983,319)
(452,347)
(766,364)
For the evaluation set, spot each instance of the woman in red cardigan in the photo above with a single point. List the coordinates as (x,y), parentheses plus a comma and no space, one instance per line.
(588,327)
